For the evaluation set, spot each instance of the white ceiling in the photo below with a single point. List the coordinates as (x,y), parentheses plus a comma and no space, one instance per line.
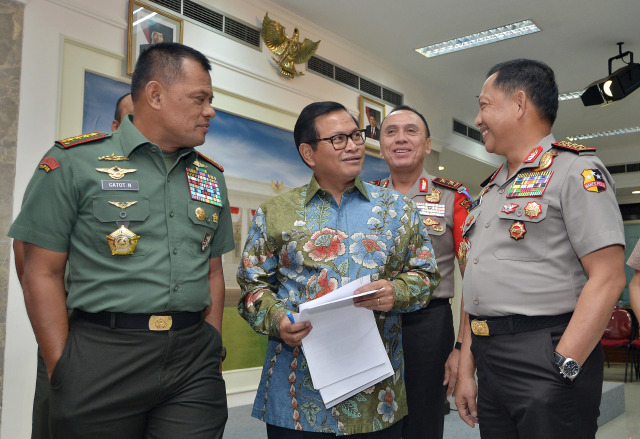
(577,39)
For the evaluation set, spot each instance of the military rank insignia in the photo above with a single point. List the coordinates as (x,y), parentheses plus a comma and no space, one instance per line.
(530,184)
(433,197)
(533,155)
(509,208)
(48,164)
(203,186)
(545,161)
(122,241)
(517,230)
(593,181)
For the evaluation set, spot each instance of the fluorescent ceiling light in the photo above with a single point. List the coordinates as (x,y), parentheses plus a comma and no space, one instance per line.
(570,95)
(605,134)
(480,39)
(440,168)
(635,192)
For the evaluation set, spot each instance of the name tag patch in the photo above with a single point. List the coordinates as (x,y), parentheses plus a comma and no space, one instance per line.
(122,185)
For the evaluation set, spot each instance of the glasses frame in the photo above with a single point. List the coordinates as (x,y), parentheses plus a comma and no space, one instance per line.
(349,136)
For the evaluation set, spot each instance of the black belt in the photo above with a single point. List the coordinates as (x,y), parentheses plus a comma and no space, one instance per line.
(434,303)
(152,322)
(515,323)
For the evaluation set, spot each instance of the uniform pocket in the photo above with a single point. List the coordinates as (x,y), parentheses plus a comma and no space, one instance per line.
(205,217)
(523,219)
(111,210)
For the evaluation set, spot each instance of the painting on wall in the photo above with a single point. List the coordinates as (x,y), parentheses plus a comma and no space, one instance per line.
(100,97)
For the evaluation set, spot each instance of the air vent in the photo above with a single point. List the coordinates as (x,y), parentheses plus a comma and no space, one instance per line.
(242,32)
(346,77)
(467,131)
(353,80)
(320,66)
(369,87)
(173,5)
(203,15)
(621,169)
(214,20)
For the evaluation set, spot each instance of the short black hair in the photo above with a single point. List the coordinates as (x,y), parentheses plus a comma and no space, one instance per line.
(305,129)
(118,114)
(535,78)
(163,62)
(413,110)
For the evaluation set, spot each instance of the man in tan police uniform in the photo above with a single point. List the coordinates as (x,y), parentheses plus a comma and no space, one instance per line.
(431,362)
(545,267)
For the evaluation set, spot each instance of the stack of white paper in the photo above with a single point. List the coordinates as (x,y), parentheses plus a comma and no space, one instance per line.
(344,350)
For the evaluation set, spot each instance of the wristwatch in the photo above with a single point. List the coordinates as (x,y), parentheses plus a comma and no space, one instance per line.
(569,368)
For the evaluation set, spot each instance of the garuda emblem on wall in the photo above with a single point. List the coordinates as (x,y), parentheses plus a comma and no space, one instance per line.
(290,49)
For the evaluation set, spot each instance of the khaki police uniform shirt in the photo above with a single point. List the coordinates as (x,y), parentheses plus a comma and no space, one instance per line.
(443,210)
(75,200)
(528,233)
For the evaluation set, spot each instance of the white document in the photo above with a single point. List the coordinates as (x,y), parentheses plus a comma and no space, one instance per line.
(344,350)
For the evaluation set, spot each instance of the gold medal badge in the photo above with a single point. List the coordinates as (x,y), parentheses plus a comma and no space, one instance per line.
(545,161)
(433,197)
(122,241)
(517,230)
(438,228)
(532,209)
(200,213)
(430,222)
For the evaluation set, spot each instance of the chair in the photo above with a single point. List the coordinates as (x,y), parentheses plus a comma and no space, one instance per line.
(635,352)
(618,335)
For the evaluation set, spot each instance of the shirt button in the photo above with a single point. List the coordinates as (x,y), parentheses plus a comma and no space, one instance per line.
(123,214)
(519,212)
(208,220)
(476,301)
(171,214)
(168,179)
(175,288)
(175,251)
(501,191)
(475,260)
(487,224)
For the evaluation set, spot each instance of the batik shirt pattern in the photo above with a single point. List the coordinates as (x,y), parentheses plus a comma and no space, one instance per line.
(303,245)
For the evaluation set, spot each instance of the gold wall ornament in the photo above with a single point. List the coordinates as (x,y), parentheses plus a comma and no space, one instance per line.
(277,186)
(291,51)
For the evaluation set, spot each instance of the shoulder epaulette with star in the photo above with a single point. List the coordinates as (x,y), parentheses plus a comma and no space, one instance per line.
(490,178)
(210,160)
(447,183)
(574,147)
(70,142)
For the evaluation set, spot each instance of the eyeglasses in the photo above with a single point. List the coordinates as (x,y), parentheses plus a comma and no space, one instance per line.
(339,141)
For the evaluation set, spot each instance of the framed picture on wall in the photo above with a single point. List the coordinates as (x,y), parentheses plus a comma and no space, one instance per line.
(147,26)
(371,115)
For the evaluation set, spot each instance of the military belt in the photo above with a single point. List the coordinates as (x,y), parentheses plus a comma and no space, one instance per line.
(152,322)
(515,323)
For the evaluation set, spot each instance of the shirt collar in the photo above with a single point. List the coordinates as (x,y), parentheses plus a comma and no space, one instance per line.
(314,187)
(132,139)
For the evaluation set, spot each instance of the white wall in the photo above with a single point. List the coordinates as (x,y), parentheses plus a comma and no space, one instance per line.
(237,69)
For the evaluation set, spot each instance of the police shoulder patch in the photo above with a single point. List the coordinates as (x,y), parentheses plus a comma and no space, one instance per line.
(574,147)
(70,142)
(447,183)
(210,160)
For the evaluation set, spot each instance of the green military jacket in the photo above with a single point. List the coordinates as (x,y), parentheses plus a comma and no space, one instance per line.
(139,236)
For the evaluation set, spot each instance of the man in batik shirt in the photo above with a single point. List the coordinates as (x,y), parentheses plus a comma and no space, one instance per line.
(311,241)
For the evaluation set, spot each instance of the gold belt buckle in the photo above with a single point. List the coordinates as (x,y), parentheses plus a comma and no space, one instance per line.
(480,327)
(160,323)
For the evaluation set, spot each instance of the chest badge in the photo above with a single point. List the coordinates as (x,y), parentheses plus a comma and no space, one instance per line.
(214,218)
(206,241)
(122,241)
(517,230)
(509,208)
(203,186)
(116,172)
(113,158)
(200,213)
(545,161)
(433,197)
(530,184)
(123,204)
(430,222)
(533,209)
(438,228)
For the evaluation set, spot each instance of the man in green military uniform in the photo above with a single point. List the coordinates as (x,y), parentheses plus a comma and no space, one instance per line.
(143,221)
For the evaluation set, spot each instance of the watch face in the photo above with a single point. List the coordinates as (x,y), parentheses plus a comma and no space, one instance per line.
(571,368)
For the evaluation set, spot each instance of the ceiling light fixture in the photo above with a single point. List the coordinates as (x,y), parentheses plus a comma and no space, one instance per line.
(480,39)
(635,192)
(605,134)
(617,85)
(570,95)
(440,168)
